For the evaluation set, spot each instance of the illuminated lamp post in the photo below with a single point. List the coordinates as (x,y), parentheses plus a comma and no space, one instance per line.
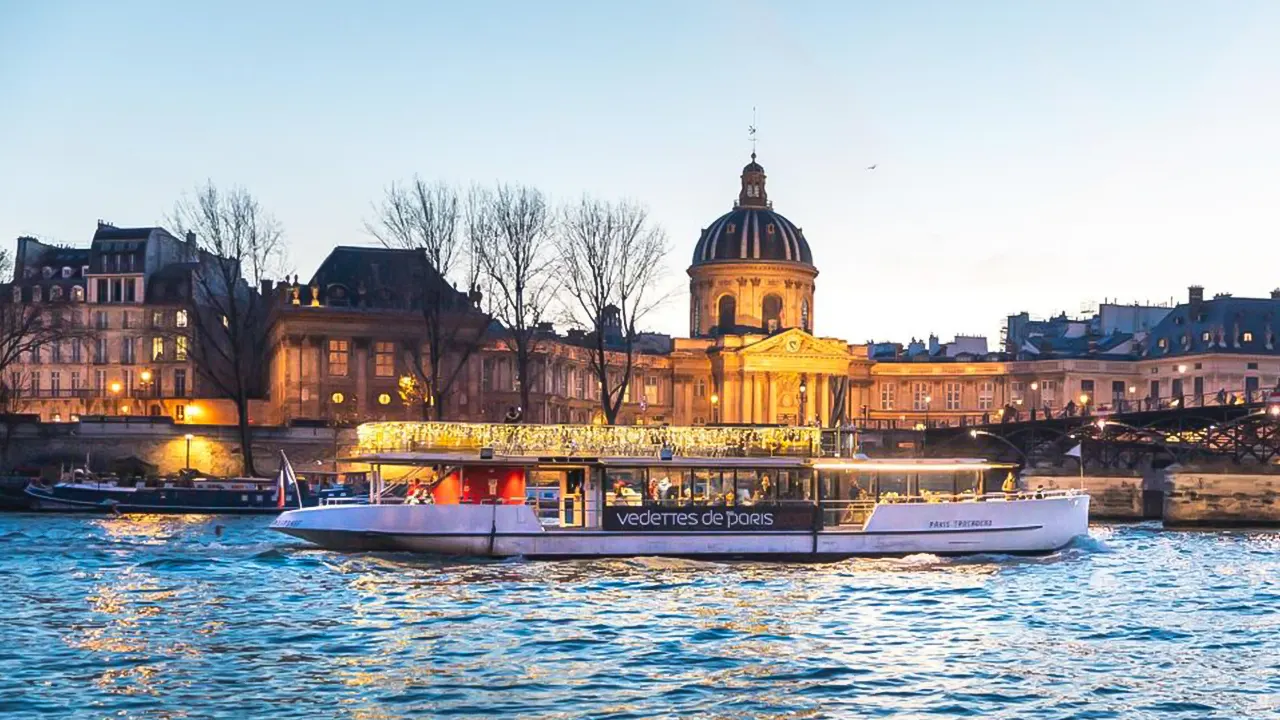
(715,408)
(1084,404)
(189,437)
(115,388)
(804,407)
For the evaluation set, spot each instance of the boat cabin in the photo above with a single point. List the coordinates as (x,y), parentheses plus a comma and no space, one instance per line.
(678,493)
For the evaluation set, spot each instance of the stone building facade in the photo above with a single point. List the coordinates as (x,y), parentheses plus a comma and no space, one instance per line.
(126,297)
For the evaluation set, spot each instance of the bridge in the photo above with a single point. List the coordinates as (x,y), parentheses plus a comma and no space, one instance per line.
(1240,433)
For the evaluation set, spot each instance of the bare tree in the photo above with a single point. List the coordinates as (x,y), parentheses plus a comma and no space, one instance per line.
(425,217)
(510,231)
(611,260)
(239,244)
(26,328)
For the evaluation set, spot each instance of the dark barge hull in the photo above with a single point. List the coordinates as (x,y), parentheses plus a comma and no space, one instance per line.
(172,501)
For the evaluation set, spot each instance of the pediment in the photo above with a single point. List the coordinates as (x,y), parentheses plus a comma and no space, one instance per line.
(799,344)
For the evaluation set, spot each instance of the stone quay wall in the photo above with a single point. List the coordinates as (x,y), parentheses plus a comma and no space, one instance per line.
(1110,497)
(215,449)
(1222,499)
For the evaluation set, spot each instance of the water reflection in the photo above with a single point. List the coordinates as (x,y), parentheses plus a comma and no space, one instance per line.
(169,614)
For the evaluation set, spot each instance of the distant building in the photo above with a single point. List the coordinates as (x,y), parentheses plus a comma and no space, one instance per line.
(129,293)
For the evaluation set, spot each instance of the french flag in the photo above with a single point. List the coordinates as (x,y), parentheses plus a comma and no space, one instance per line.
(284,479)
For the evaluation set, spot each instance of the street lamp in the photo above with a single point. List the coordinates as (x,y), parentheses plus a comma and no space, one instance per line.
(804,408)
(1084,403)
(189,438)
(928,400)
(115,388)
(715,408)
(1026,462)
(144,378)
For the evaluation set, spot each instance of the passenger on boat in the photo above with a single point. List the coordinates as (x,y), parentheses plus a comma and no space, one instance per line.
(1010,486)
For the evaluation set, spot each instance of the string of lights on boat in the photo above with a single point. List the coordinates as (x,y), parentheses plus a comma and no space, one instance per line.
(587,440)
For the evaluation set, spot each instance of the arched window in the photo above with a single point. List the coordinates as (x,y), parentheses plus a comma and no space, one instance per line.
(77,293)
(728,313)
(771,313)
(804,314)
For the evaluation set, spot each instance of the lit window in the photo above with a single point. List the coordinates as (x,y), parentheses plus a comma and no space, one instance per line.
(731,228)
(180,318)
(77,294)
(920,396)
(157,349)
(180,348)
(952,395)
(888,391)
(1162,343)
(986,394)
(1204,336)
(338,352)
(1247,337)
(384,359)
(769,228)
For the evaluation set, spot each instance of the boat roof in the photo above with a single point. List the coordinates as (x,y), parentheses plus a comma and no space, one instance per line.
(916,465)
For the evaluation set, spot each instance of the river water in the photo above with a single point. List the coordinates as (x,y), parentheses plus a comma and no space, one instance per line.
(199,617)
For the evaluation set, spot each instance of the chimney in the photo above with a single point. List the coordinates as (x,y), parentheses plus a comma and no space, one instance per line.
(191,237)
(1195,294)
(1275,294)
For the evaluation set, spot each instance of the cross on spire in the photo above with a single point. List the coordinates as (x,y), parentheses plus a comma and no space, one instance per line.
(751,132)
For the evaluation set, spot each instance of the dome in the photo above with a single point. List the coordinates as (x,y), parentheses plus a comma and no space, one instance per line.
(750,233)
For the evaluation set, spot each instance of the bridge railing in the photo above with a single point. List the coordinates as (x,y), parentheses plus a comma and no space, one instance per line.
(1020,412)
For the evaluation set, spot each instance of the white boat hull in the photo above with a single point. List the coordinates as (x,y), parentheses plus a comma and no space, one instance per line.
(1024,526)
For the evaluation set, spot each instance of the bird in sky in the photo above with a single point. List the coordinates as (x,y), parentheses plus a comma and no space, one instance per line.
(872,167)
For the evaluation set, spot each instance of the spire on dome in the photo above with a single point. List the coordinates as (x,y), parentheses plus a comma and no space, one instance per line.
(753,194)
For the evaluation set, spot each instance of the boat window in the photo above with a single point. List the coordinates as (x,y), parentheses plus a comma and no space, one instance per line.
(746,486)
(792,485)
(893,485)
(666,485)
(624,486)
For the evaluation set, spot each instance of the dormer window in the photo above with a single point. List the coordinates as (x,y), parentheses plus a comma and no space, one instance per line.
(1204,336)
(77,294)
(47,272)
(55,293)
(1163,343)
(1247,336)
(769,228)
(84,271)
(731,228)
(35,294)
(17,294)
(66,272)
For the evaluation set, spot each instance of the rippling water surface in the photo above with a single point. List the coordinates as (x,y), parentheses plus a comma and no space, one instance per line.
(173,617)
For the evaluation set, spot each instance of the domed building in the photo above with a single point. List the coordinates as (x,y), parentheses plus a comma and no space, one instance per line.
(751,356)
(752,269)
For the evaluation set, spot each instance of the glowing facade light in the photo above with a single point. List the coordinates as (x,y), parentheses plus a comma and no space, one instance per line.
(115,387)
(337,398)
(384,399)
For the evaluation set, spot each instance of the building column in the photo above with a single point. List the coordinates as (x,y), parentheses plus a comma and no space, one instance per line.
(824,400)
(772,415)
(728,399)
(744,400)
(757,382)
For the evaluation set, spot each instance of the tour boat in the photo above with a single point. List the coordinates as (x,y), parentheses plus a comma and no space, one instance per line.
(780,507)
